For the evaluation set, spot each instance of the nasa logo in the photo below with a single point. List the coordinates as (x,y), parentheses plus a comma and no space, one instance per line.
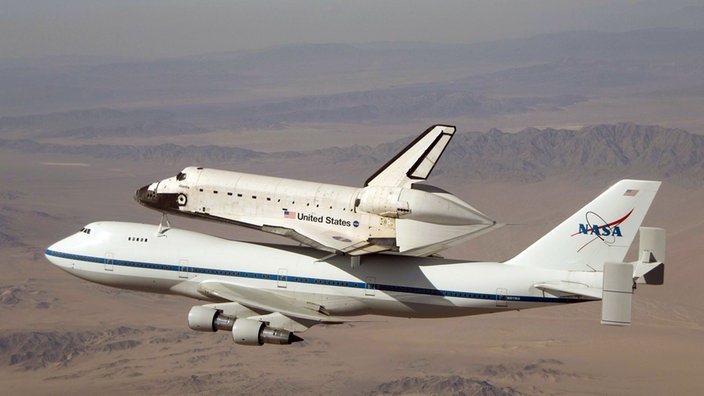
(603,230)
(355,224)
(599,228)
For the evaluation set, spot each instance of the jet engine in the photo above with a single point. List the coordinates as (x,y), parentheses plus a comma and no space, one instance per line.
(244,331)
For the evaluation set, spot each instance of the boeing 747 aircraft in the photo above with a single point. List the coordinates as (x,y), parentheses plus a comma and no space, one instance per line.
(390,213)
(265,293)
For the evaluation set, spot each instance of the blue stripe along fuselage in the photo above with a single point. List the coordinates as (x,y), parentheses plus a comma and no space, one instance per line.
(308,280)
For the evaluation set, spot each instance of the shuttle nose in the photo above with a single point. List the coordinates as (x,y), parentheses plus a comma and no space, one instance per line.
(149,197)
(146,195)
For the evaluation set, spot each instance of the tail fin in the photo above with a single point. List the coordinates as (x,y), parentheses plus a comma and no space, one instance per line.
(600,232)
(416,161)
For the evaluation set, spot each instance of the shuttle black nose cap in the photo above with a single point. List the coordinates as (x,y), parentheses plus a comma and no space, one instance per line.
(149,197)
(145,196)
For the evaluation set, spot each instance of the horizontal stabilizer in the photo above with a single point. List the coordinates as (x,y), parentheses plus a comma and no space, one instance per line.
(618,294)
(569,289)
(652,244)
(650,273)
(650,269)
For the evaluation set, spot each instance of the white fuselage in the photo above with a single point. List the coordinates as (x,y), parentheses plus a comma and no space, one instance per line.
(137,256)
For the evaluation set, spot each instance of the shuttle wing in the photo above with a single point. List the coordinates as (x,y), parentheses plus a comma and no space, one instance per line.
(416,161)
(412,238)
(325,239)
(314,235)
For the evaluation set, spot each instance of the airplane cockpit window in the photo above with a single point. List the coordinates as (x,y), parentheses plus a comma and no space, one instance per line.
(181,176)
(85,230)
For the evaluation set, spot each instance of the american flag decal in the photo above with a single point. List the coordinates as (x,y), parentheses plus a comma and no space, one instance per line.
(289,215)
(630,193)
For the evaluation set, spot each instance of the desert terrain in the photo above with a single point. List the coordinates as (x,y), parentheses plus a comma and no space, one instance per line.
(544,124)
(62,334)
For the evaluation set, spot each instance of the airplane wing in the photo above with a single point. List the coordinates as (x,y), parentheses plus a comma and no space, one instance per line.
(563,289)
(268,301)
(416,161)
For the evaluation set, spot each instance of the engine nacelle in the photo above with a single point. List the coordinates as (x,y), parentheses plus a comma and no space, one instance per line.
(244,331)
(209,319)
(247,332)
(202,318)
(254,332)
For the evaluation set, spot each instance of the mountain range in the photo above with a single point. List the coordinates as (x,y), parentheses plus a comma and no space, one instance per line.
(623,150)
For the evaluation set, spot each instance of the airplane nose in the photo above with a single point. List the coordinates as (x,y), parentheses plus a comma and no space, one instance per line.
(57,254)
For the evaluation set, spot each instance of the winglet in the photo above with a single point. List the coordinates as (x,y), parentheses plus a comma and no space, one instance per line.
(416,161)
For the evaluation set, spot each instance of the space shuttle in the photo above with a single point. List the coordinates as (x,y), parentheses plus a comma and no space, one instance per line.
(392,212)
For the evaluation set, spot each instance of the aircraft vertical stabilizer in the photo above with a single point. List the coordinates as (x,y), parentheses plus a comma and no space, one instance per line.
(600,232)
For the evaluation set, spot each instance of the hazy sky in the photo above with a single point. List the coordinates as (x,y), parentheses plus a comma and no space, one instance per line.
(157,28)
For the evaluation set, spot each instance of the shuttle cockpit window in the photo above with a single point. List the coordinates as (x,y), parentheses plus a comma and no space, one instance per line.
(181,176)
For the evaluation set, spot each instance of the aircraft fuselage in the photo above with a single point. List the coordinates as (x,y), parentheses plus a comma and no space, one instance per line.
(137,256)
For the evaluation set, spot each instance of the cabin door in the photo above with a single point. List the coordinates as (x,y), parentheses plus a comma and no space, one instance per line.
(501,301)
(183,269)
(282,278)
(109,263)
(370,290)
